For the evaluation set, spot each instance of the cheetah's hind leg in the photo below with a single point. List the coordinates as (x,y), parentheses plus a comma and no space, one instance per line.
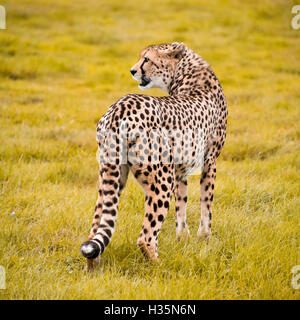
(157,202)
(112,180)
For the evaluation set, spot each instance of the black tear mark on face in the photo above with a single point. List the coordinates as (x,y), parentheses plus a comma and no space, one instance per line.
(142,70)
(145,80)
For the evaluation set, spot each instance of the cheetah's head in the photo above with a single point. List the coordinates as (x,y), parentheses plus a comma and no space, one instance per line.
(157,64)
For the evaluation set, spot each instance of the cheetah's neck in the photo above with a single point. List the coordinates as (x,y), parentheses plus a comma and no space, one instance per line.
(192,76)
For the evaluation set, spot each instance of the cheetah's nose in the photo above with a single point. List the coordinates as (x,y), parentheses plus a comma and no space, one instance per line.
(133,72)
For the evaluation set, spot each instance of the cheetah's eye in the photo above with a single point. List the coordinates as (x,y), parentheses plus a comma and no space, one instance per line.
(146,59)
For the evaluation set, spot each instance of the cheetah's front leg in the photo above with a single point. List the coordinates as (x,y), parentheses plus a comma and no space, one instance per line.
(180,207)
(207,185)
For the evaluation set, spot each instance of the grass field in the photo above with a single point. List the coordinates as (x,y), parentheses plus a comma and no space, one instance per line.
(62,64)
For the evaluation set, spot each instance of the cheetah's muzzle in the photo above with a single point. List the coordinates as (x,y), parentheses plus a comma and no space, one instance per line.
(145,81)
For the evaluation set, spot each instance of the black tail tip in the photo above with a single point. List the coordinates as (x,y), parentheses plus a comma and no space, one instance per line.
(90,250)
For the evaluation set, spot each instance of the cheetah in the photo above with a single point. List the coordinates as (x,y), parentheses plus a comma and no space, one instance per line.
(161,140)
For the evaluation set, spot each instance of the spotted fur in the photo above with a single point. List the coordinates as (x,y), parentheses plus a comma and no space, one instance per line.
(195,103)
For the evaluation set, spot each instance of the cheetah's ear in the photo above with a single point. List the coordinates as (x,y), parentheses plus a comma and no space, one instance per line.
(178,50)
